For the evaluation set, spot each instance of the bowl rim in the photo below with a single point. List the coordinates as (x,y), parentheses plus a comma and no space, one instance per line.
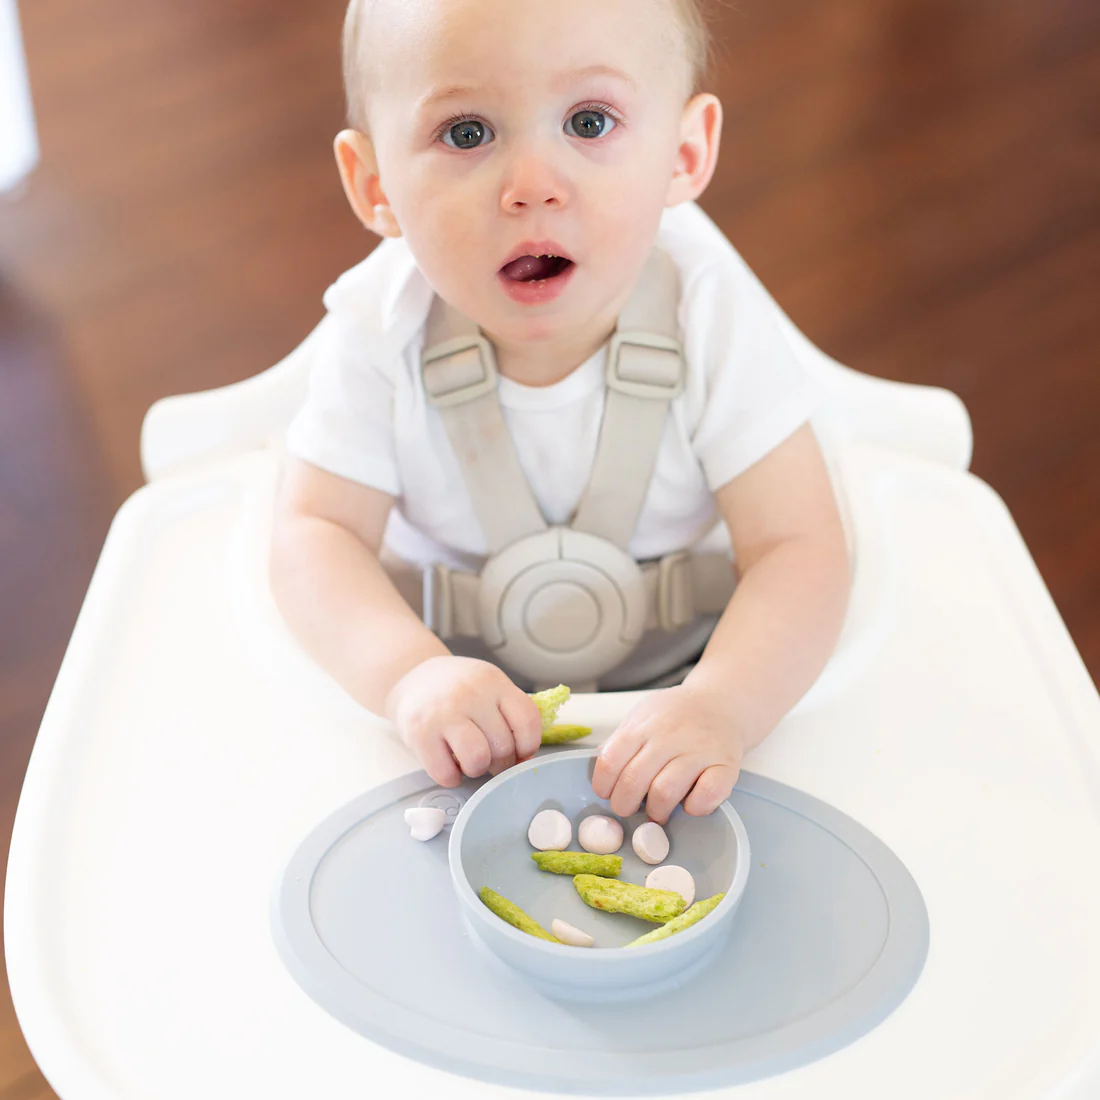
(481,912)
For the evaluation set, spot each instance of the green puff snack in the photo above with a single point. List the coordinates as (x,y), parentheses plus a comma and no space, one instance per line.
(696,913)
(549,703)
(578,863)
(514,915)
(657,906)
(562,735)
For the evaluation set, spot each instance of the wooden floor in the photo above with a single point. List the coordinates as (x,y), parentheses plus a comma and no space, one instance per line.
(917,181)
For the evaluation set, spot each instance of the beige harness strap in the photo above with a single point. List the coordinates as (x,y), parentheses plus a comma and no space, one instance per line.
(460,379)
(644,373)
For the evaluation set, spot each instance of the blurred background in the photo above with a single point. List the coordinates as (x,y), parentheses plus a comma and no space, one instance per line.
(916,181)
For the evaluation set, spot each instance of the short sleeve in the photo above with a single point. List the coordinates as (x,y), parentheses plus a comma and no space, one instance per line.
(758,393)
(346,424)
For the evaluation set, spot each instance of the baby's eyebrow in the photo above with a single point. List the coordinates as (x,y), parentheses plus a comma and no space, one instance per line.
(563,80)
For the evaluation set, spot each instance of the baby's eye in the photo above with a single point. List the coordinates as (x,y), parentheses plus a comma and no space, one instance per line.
(590,123)
(467,134)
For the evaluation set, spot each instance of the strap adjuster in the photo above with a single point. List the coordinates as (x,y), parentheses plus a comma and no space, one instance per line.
(438,600)
(675,605)
(633,382)
(466,377)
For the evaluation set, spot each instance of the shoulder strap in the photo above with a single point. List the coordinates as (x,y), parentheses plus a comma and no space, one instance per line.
(644,374)
(460,379)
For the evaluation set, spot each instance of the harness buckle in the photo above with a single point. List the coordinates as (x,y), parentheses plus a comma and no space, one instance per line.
(459,370)
(653,365)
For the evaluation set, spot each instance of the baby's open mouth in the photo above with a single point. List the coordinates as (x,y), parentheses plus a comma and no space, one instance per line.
(528,269)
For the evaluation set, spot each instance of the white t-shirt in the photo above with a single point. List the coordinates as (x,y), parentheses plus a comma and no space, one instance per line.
(367,417)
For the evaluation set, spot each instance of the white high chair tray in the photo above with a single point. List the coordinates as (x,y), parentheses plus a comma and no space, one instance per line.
(189,746)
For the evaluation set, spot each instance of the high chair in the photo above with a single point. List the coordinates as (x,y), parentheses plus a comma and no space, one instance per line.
(189,745)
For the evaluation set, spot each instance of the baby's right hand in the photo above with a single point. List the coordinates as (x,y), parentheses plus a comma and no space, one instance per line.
(461,715)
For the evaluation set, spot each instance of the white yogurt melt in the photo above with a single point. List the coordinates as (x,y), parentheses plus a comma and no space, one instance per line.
(424,822)
(676,879)
(600,835)
(550,831)
(560,930)
(650,843)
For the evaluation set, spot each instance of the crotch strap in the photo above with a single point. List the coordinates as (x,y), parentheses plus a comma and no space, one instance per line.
(558,602)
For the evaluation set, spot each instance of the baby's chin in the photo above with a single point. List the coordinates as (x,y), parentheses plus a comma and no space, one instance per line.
(526,327)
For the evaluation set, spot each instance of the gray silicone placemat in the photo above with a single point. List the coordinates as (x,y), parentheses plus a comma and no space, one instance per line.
(830,937)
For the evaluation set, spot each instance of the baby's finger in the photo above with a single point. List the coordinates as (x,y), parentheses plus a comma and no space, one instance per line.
(470,747)
(711,789)
(502,747)
(670,786)
(438,761)
(525,722)
(635,779)
(617,751)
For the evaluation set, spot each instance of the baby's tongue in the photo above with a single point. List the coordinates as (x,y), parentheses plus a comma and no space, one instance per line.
(530,267)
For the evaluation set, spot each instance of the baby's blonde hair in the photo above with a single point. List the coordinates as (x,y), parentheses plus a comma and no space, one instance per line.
(697,39)
(691,14)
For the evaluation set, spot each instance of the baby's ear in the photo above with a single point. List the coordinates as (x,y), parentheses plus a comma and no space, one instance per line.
(359,174)
(697,156)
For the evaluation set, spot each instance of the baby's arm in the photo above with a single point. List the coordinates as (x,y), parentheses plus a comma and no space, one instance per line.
(785,615)
(768,648)
(453,712)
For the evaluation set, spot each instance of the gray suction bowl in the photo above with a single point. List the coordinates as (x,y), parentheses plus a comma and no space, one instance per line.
(489,847)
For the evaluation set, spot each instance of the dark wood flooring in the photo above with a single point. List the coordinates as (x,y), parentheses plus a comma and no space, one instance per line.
(917,181)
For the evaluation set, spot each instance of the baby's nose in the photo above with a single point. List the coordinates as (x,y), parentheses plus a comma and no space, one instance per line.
(532,181)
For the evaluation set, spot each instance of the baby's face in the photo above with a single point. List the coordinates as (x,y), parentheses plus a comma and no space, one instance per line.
(500,126)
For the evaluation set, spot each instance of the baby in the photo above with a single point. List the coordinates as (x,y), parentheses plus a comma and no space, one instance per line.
(523,162)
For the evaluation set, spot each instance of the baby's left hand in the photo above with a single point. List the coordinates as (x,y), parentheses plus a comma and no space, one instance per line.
(679,740)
